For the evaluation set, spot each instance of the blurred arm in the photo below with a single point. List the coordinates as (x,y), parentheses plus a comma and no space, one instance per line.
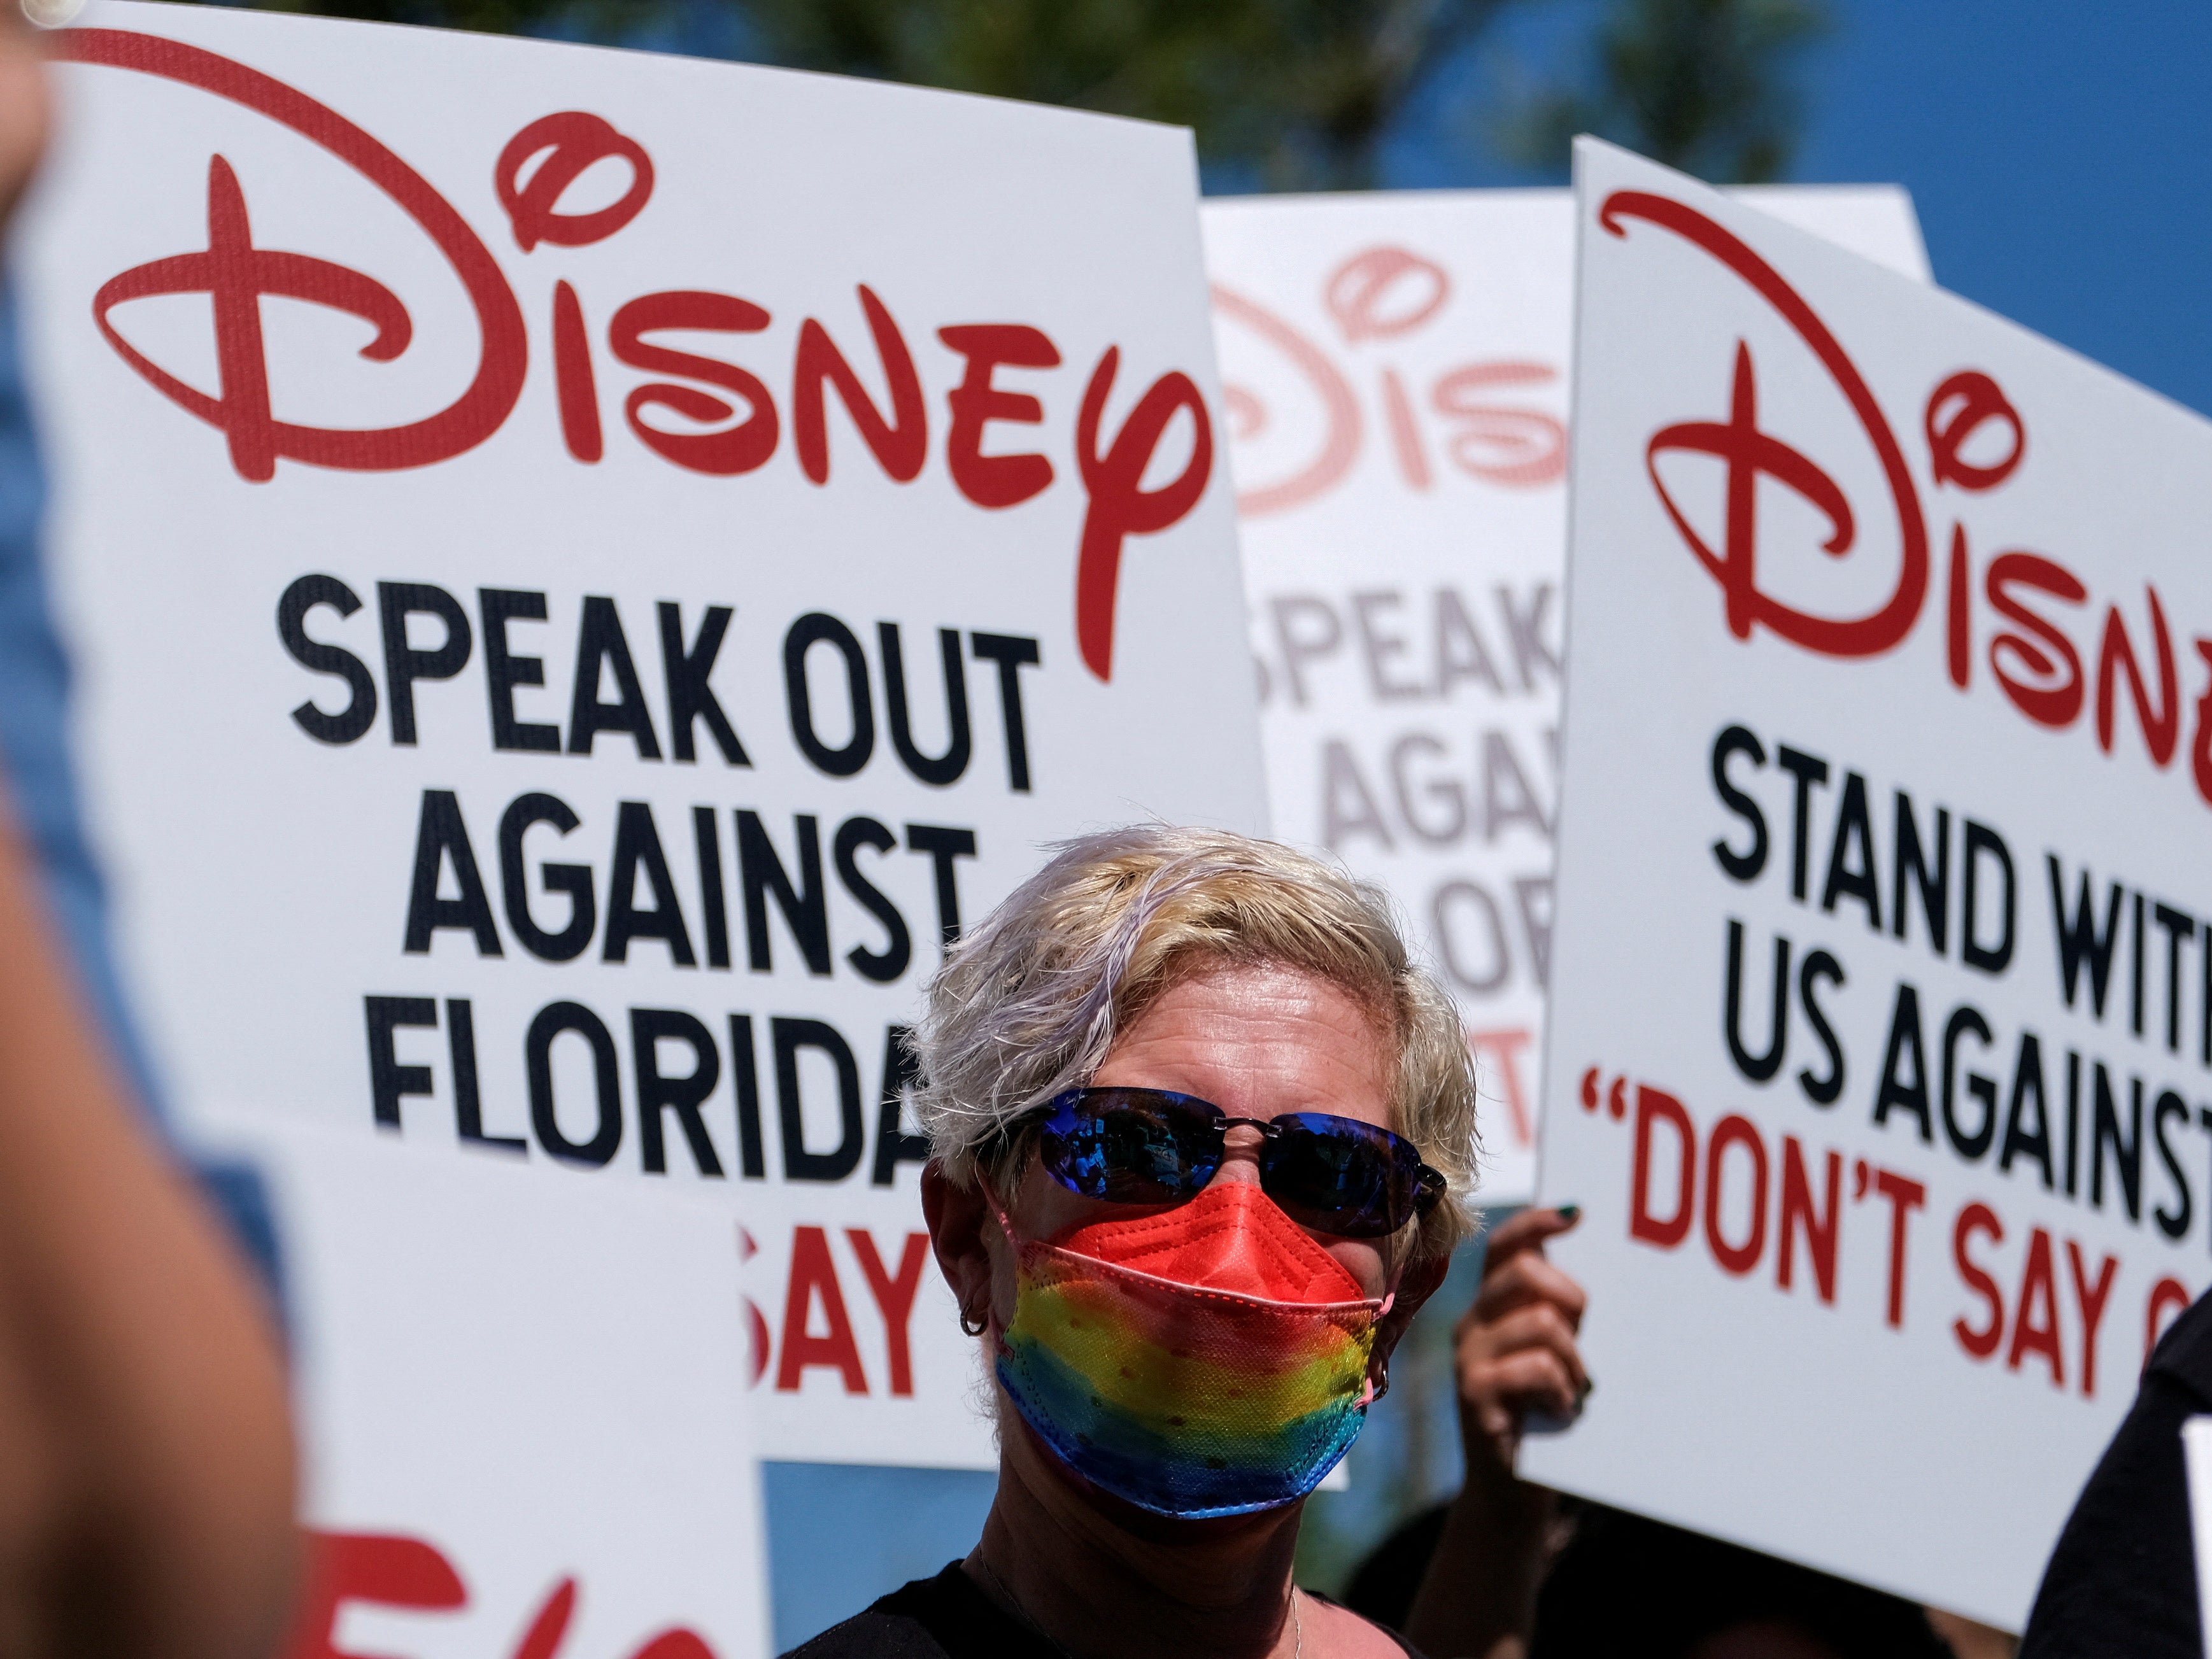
(146,1464)
(146,1460)
(1515,1352)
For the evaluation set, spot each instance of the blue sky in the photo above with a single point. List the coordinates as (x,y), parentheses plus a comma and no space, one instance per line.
(2060,154)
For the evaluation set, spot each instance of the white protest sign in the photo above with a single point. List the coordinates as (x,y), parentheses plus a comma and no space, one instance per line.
(1880,1043)
(1396,372)
(523,1404)
(587,566)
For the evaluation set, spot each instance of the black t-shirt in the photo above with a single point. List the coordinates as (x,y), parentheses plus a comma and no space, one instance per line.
(2123,1579)
(1627,1587)
(947,1617)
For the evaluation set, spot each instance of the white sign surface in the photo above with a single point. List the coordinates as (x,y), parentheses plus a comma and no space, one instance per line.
(1396,369)
(523,1408)
(1882,1019)
(587,566)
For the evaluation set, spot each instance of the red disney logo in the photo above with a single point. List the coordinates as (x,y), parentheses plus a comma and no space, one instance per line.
(1977,440)
(1388,293)
(1749,452)
(388,1570)
(736,423)
(235,275)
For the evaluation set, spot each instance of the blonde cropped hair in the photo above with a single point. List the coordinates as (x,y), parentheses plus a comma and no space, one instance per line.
(1027,1004)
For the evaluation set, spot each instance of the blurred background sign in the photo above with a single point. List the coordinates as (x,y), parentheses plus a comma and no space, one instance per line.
(1396,372)
(523,1408)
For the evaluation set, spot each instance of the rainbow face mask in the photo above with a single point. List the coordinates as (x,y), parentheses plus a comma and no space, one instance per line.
(1209,1359)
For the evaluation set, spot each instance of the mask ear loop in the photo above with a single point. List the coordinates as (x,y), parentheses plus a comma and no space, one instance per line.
(970,1324)
(999,1211)
(1370,1394)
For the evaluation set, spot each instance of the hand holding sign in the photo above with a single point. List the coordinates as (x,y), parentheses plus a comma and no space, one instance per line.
(1515,1350)
(1516,1361)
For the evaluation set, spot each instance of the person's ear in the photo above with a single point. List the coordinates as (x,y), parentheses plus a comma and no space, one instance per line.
(1423,1278)
(956,1216)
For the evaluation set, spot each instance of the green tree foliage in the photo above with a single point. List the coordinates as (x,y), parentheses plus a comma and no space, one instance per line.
(1702,85)
(490,16)
(1300,92)
(1297,93)
(1285,94)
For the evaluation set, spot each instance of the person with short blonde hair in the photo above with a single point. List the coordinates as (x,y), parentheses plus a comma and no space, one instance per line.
(1114,919)
(1203,1134)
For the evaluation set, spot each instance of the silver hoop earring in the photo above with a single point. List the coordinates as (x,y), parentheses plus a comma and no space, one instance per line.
(972,1326)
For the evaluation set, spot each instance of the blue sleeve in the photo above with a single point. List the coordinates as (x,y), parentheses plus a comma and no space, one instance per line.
(34,739)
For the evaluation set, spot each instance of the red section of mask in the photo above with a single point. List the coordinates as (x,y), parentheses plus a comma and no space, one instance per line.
(1230,1237)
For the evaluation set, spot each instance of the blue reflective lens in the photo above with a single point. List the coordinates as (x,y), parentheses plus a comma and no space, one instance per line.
(1340,1176)
(1130,1146)
(1335,1174)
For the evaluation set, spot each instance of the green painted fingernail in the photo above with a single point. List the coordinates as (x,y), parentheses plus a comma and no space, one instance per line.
(1568,1212)
(1589,1386)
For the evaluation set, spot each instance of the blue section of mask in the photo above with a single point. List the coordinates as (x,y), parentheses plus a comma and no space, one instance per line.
(1162,1473)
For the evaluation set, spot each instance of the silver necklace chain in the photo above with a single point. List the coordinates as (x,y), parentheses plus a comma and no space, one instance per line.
(1021,1609)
